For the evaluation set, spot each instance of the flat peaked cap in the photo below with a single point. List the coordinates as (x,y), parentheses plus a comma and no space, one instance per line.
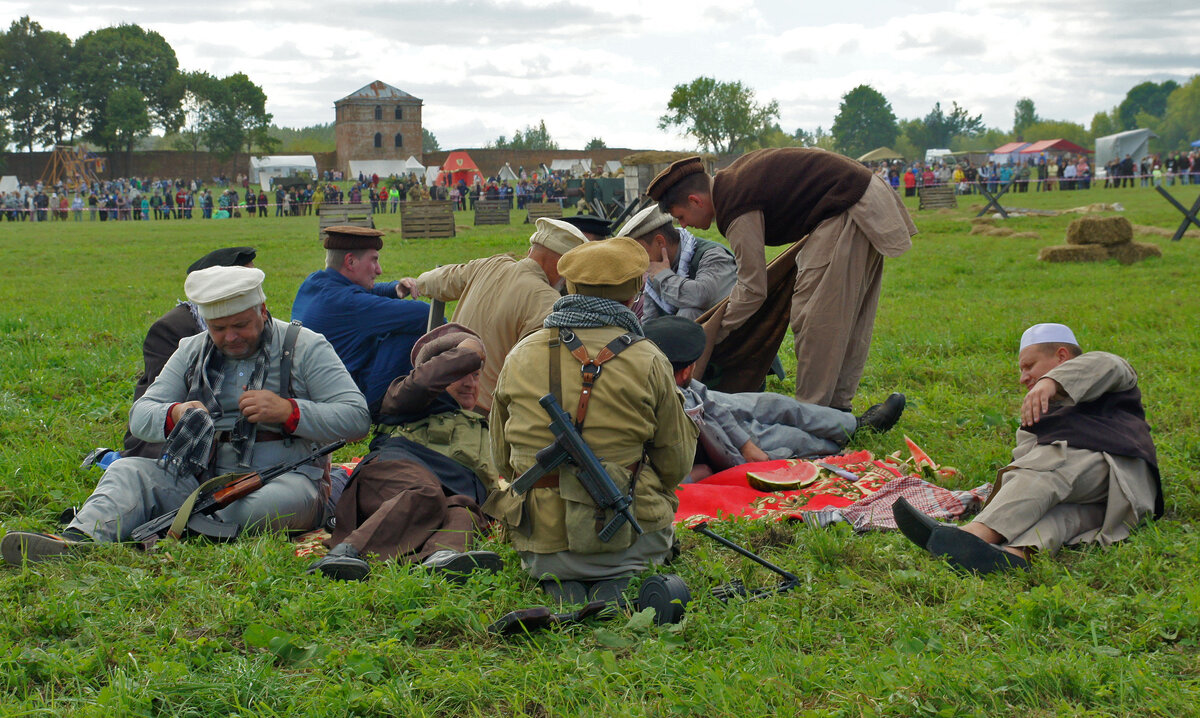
(224,291)
(556,235)
(1048,334)
(590,223)
(681,339)
(611,269)
(645,222)
(348,237)
(439,340)
(225,257)
(667,179)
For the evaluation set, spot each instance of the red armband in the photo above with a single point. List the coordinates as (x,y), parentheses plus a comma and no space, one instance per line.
(293,420)
(170,421)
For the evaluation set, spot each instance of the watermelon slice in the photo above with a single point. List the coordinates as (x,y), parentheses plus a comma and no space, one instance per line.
(921,460)
(795,475)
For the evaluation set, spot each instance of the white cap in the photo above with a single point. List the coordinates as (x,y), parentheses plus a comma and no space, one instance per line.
(1048,334)
(556,235)
(224,291)
(644,222)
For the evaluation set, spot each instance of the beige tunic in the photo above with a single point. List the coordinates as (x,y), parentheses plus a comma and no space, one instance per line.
(499,298)
(1053,494)
(635,404)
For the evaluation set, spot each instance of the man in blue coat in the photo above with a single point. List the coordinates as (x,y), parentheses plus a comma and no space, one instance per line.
(370,327)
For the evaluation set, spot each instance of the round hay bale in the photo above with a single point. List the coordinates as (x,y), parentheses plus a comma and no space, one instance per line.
(1105,231)
(1131,252)
(1073,253)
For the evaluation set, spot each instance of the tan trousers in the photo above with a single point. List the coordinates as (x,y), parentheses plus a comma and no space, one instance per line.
(833,311)
(1057,494)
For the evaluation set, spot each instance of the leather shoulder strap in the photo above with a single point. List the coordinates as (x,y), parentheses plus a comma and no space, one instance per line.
(590,368)
(285,359)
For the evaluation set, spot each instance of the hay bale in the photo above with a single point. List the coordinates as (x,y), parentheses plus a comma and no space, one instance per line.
(1131,252)
(1073,253)
(983,220)
(1160,232)
(1026,235)
(1105,231)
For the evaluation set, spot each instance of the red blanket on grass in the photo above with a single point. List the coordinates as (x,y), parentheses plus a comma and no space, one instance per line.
(729,492)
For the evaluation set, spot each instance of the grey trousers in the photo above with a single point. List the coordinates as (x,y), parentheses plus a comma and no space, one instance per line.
(1059,494)
(651,549)
(134,490)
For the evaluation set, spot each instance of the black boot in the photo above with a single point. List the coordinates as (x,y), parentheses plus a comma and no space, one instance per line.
(342,564)
(882,417)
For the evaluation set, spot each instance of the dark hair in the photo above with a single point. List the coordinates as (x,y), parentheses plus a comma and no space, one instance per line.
(695,183)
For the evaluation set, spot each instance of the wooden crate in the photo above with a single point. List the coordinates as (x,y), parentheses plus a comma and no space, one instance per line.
(491,211)
(938,196)
(427,220)
(355,215)
(537,210)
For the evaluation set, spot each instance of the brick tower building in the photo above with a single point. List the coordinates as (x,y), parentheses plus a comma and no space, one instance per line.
(377,122)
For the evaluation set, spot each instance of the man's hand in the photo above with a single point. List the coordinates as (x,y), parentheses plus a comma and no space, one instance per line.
(658,265)
(752,454)
(260,406)
(407,287)
(1037,401)
(178,410)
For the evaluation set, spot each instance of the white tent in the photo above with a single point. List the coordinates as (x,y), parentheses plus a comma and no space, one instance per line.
(412,165)
(383,168)
(562,165)
(9,183)
(431,175)
(1135,143)
(507,174)
(262,169)
(612,166)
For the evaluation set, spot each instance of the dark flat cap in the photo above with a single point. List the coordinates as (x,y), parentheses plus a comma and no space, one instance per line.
(345,236)
(667,179)
(682,340)
(590,223)
(227,257)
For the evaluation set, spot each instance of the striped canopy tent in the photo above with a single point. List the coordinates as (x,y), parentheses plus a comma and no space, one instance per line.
(1009,153)
(1059,145)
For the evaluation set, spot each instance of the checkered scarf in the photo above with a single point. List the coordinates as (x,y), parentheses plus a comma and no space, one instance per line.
(580,311)
(189,448)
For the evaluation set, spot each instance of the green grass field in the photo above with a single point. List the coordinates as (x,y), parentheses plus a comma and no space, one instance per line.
(876,627)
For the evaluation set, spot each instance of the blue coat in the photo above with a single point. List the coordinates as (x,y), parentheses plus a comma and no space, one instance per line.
(372,331)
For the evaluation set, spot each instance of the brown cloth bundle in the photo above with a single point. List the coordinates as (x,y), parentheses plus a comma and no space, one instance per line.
(742,360)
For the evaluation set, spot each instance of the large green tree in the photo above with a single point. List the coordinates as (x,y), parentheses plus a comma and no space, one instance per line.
(35,67)
(939,129)
(429,143)
(1181,119)
(143,66)
(864,121)
(1148,97)
(531,138)
(1024,115)
(722,116)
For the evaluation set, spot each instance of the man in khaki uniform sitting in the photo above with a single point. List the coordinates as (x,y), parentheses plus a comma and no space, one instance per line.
(500,298)
(634,420)
(1084,470)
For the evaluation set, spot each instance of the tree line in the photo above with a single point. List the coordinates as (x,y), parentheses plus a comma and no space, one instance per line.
(725,117)
(113,87)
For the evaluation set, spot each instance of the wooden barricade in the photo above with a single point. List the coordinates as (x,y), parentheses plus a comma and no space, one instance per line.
(491,211)
(937,196)
(427,220)
(537,210)
(355,215)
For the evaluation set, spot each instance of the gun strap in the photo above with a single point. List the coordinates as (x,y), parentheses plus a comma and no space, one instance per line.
(185,509)
(590,368)
(285,359)
(555,372)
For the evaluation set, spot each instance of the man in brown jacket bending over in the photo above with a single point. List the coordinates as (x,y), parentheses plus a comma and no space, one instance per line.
(777,197)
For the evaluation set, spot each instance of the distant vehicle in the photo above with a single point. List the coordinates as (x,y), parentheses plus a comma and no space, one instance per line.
(934,156)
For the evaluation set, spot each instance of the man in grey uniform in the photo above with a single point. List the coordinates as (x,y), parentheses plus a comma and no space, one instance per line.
(687,274)
(220,405)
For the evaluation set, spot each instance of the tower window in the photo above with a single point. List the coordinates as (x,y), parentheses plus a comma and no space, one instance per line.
(399,114)
(378,139)
(378,112)
(399,140)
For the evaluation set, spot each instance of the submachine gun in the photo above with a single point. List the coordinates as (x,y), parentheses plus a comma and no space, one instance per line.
(569,446)
(197,516)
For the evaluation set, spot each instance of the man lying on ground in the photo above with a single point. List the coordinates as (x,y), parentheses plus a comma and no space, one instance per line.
(756,426)
(416,496)
(1084,469)
(222,405)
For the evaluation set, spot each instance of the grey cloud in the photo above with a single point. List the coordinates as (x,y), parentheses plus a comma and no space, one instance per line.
(943,41)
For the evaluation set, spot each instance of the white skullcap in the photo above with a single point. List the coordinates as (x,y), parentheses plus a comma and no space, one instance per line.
(1048,334)
(224,291)
(556,235)
(645,222)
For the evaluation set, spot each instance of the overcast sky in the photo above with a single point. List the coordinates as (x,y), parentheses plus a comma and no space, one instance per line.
(606,68)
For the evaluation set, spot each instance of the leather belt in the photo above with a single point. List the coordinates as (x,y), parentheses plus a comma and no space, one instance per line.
(551,480)
(261,435)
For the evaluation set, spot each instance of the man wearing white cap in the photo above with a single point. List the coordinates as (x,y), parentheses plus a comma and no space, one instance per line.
(1084,470)
(687,274)
(222,404)
(500,298)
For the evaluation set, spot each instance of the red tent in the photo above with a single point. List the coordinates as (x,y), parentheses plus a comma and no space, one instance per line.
(459,165)
(1009,147)
(1052,146)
